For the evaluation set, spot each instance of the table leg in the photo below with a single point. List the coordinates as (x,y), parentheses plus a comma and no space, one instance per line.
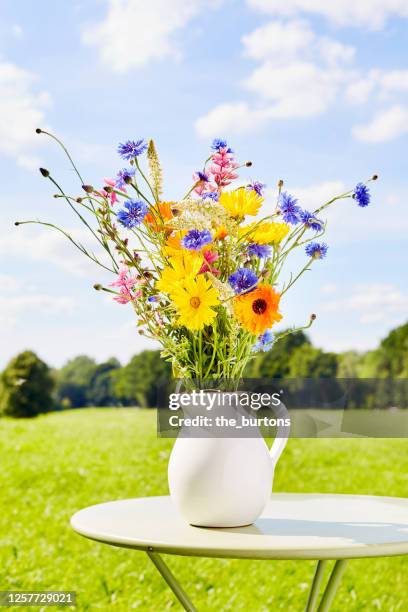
(172,581)
(333,583)
(314,590)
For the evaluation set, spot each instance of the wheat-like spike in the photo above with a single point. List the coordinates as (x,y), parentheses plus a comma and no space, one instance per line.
(155,169)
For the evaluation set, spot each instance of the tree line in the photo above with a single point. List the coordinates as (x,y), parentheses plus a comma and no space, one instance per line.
(28,386)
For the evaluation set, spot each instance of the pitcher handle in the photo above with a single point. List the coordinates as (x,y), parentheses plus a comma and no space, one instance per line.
(282,434)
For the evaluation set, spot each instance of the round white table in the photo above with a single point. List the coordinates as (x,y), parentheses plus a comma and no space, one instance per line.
(293,526)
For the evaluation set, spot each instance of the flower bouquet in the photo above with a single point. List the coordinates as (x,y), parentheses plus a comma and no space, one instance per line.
(202,272)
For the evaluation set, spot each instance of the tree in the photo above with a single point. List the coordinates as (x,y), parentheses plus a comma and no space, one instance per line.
(310,362)
(101,386)
(276,362)
(349,364)
(140,382)
(74,379)
(393,351)
(26,386)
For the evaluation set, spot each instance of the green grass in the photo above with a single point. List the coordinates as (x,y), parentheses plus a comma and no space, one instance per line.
(56,464)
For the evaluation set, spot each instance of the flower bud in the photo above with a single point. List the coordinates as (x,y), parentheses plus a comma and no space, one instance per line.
(280,183)
(108,188)
(88,188)
(98,287)
(374,177)
(313,317)
(248,164)
(38,131)
(44,172)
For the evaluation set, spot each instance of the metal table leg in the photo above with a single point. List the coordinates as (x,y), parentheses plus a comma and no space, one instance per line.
(315,588)
(333,583)
(171,581)
(325,603)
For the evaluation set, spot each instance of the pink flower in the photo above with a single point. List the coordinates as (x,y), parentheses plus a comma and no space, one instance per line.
(112,196)
(210,257)
(204,185)
(126,285)
(223,167)
(125,296)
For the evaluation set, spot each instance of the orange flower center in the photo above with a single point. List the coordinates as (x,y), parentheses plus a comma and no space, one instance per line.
(195,302)
(259,306)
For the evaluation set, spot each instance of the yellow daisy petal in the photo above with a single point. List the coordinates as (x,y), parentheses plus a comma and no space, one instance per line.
(264,233)
(241,202)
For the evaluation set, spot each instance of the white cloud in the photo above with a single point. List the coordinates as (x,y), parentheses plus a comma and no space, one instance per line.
(384,84)
(384,126)
(43,244)
(393,80)
(359,90)
(278,40)
(18,31)
(371,13)
(373,303)
(21,111)
(313,196)
(12,307)
(135,32)
(230,117)
(299,75)
(329,289)
(290,88)
(8,283)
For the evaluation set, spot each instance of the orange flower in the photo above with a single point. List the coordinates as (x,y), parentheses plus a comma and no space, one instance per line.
(221,233)
(156,218)
(257,311)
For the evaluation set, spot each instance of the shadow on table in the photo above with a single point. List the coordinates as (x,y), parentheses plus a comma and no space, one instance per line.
(365,533)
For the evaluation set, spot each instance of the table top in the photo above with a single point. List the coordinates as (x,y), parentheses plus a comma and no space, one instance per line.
(293,526)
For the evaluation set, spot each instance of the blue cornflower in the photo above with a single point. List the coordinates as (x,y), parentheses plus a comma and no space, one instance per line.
(202,176)
(195,239)
(122,176)
(211,195)
(263,251)
(243,280)
(257,187)
(265,342)
(317,250)
(311,221)
(152,299)
(362,195)
(289,208)
(220,143)
(132,148)
(133,213)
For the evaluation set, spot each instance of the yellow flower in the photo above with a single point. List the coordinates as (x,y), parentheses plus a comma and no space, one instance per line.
(241,202)
(182,267)
(173,244)
(258,310)
(264,233)
(194,303)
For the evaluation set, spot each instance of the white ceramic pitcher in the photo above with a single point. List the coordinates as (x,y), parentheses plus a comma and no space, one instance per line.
(223,481)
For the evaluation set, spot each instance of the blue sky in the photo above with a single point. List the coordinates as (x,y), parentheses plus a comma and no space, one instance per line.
(315,93)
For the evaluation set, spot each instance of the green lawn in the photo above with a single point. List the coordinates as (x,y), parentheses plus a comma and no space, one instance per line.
(56,464)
